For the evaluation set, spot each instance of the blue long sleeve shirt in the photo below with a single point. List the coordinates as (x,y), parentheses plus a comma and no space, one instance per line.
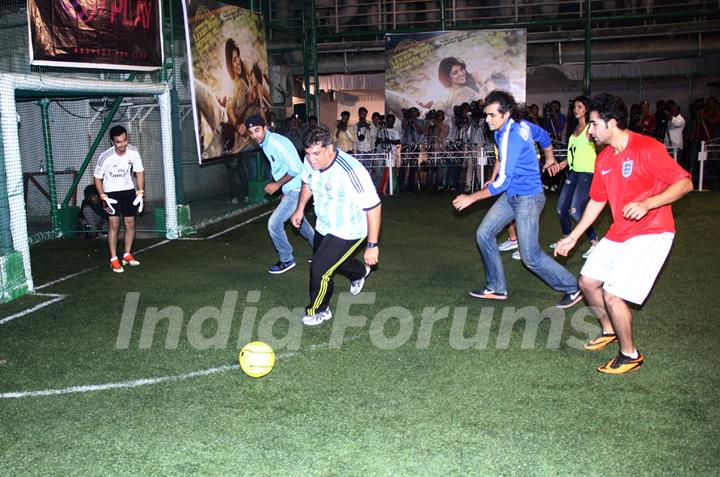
(283,159)
(519,172)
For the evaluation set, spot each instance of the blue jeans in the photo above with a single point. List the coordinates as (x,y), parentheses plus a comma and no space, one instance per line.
(276,226)
(573,199)
(525,210)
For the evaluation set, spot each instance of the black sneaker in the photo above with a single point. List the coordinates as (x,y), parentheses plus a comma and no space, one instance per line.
(569,299)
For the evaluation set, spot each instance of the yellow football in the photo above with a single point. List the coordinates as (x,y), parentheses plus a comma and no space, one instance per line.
(257,359)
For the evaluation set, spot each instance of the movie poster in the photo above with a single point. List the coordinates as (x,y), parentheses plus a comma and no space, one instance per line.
(102,34)
(441,70)
(229,76)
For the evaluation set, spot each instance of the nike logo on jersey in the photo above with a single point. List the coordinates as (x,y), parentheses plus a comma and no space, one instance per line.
(607,171)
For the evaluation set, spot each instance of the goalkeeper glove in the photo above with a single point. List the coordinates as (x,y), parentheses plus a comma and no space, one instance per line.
(107,204)
(139,202)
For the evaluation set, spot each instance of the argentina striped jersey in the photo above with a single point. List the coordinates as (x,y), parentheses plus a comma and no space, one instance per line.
(343,193)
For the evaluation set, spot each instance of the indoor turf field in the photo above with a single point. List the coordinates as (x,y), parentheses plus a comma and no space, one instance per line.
(85,391)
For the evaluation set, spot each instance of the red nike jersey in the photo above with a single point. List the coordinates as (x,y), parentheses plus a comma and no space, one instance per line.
(643,169)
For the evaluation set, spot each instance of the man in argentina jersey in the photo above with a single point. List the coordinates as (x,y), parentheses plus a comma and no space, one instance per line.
(113,180)
(521,198)
(347,208)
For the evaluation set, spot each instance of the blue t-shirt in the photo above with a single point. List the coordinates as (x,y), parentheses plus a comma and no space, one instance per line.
(519,172)
(283,159)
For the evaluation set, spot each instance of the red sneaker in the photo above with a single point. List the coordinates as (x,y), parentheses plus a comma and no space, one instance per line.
(128,259)
(115,265)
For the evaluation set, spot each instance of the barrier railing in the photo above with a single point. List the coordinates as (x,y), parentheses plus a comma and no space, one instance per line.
(407,165)
(387,167)
(709,151)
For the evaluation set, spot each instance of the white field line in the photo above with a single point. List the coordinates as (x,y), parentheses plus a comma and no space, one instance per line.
(239,225)
(62,279)
(73,275)
(55,298)
(149,381)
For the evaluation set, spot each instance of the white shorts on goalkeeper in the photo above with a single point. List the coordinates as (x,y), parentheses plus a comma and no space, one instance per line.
(629,269)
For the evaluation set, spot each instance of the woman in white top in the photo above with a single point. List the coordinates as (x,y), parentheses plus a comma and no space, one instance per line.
(452,73)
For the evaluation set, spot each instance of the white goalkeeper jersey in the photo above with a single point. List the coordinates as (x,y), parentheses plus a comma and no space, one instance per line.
(116,171)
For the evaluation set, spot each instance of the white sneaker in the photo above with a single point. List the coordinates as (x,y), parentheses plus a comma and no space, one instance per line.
(317,318)
(356,286)
(508,245)
(587,254)
(516,255)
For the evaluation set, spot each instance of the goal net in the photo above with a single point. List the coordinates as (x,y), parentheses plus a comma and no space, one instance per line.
(49,149)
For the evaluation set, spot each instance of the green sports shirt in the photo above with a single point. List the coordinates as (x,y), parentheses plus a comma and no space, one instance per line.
(581,152)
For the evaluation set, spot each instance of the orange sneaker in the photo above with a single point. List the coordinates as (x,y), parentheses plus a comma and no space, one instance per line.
(600,342)
(488,294)
(115,265)
(622,364)
(128,259)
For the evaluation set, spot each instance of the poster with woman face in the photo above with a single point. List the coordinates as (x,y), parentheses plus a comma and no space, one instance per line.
(229,76)
(444,70)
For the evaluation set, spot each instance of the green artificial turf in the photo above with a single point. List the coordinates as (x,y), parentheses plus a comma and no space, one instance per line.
(371,400)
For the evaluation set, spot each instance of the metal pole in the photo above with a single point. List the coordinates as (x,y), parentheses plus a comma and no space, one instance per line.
(389,160)
(175,116)
(701,160)
(313,46)
(442,15)
(6,244)
(49,166)
(588,67)
(306,66)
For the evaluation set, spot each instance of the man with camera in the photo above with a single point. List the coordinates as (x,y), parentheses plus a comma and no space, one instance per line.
(412,137)
(364,133)
(437,132)
(555,120)
(344,133)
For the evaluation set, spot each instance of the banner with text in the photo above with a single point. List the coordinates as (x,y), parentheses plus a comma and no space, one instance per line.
(102,34)
(443,70)
(229,74)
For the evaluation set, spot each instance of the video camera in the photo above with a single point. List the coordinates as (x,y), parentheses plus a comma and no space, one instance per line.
(477,111)
(361,127)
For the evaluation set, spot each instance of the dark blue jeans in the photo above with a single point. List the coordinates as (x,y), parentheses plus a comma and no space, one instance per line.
(573,199)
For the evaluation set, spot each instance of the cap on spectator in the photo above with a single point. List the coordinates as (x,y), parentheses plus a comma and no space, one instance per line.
(255,120)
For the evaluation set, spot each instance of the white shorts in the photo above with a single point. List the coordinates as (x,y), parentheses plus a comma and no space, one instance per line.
(629,269)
